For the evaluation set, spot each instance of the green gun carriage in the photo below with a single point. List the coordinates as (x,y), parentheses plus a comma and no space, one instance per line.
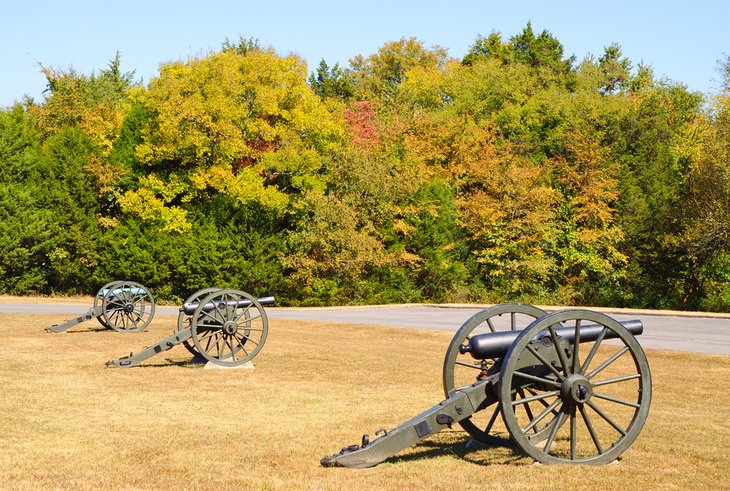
(571,387)
(124,306)
(227,327)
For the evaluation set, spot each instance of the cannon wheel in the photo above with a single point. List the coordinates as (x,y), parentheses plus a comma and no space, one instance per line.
(184,321)
(229,334)
(601,389)
(462,370)
(99,298)
(128,307)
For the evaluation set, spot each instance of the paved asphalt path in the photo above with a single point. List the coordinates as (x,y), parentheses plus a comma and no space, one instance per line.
(698,334)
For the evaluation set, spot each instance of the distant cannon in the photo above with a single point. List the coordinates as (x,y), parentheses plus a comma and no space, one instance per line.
(124,306)
(224,326)
(564,394)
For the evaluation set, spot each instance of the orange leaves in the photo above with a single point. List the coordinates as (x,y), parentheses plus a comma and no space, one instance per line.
(591,179)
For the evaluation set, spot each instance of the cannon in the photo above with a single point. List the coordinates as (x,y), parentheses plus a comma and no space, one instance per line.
(124,306)
(224,326)
(572,386)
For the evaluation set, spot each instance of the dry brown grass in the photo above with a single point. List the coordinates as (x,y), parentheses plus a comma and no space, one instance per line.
(66,421)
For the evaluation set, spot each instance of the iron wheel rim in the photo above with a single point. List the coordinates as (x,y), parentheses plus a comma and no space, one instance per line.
(229,329)
(128,307)
(624,414)
(453,357)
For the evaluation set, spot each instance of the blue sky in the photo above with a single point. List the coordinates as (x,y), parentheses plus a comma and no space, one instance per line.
(682,40)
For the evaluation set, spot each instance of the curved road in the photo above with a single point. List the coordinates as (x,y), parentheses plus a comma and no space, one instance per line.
(679,332)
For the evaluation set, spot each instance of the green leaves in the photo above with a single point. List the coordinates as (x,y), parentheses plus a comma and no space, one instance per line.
(513,174)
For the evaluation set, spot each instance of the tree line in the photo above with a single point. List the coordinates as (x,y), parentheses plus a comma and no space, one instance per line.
(514,174)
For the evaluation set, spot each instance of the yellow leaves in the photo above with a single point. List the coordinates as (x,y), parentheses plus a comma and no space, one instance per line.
(245,126)
(150,207)
(409,259)
(244,187)
(402,227)
(591,178)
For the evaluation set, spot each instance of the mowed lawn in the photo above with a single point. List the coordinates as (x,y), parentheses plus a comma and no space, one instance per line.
(67,421)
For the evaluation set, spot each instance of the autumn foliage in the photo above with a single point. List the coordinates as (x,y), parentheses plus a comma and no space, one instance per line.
(514,174)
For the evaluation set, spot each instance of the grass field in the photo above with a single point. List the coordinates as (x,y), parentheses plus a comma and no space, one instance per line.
(66,421)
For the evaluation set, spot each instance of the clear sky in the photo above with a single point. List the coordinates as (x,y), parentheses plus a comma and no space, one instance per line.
(681,40)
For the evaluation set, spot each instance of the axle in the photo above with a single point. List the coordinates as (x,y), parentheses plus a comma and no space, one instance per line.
(496,344)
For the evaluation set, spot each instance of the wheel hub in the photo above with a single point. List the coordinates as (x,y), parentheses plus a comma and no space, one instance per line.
(230,327)
(576,389)
(128,307)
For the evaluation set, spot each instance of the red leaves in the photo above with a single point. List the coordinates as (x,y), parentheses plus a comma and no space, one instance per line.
(361,120)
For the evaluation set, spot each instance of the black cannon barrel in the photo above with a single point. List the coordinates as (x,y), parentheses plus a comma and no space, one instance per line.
(189,308)
(496,344)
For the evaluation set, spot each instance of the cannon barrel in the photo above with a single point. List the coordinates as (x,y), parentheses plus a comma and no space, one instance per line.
(189,308)
(496,344)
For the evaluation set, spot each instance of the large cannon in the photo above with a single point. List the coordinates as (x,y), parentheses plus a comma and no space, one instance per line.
(224,326)
(539,372)
(124,306)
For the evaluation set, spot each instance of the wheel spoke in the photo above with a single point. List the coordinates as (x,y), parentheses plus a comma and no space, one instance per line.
(593,351)
(527,406)
(114,300)
(492,419)
(465,364)
(216,345)
(207,334)
(606,363)
(549,409)
(541,401)
(545,363)
(491,326)
(537,379)
(246,328)
(230,346)
(246,321)
(556,426)
(249,339)
(561,355)
(544,395)
(576,360)
(513,321)
(573,438)
(241,345)
(606,418)
(244,312)
(617,400)
(592,431)
(616,380)
(211,317)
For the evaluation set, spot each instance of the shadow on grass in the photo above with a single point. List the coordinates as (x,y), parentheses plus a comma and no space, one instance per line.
(82,331)
(499,451)
(169,362)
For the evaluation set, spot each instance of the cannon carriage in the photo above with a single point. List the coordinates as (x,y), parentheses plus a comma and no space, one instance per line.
(124,306)
(226,327)
(572,386)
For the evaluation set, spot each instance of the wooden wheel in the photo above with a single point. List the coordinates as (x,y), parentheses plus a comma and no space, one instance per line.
(462,369)
(184,321)
(229,327)
(596,380)
(99,299)
(128,307)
